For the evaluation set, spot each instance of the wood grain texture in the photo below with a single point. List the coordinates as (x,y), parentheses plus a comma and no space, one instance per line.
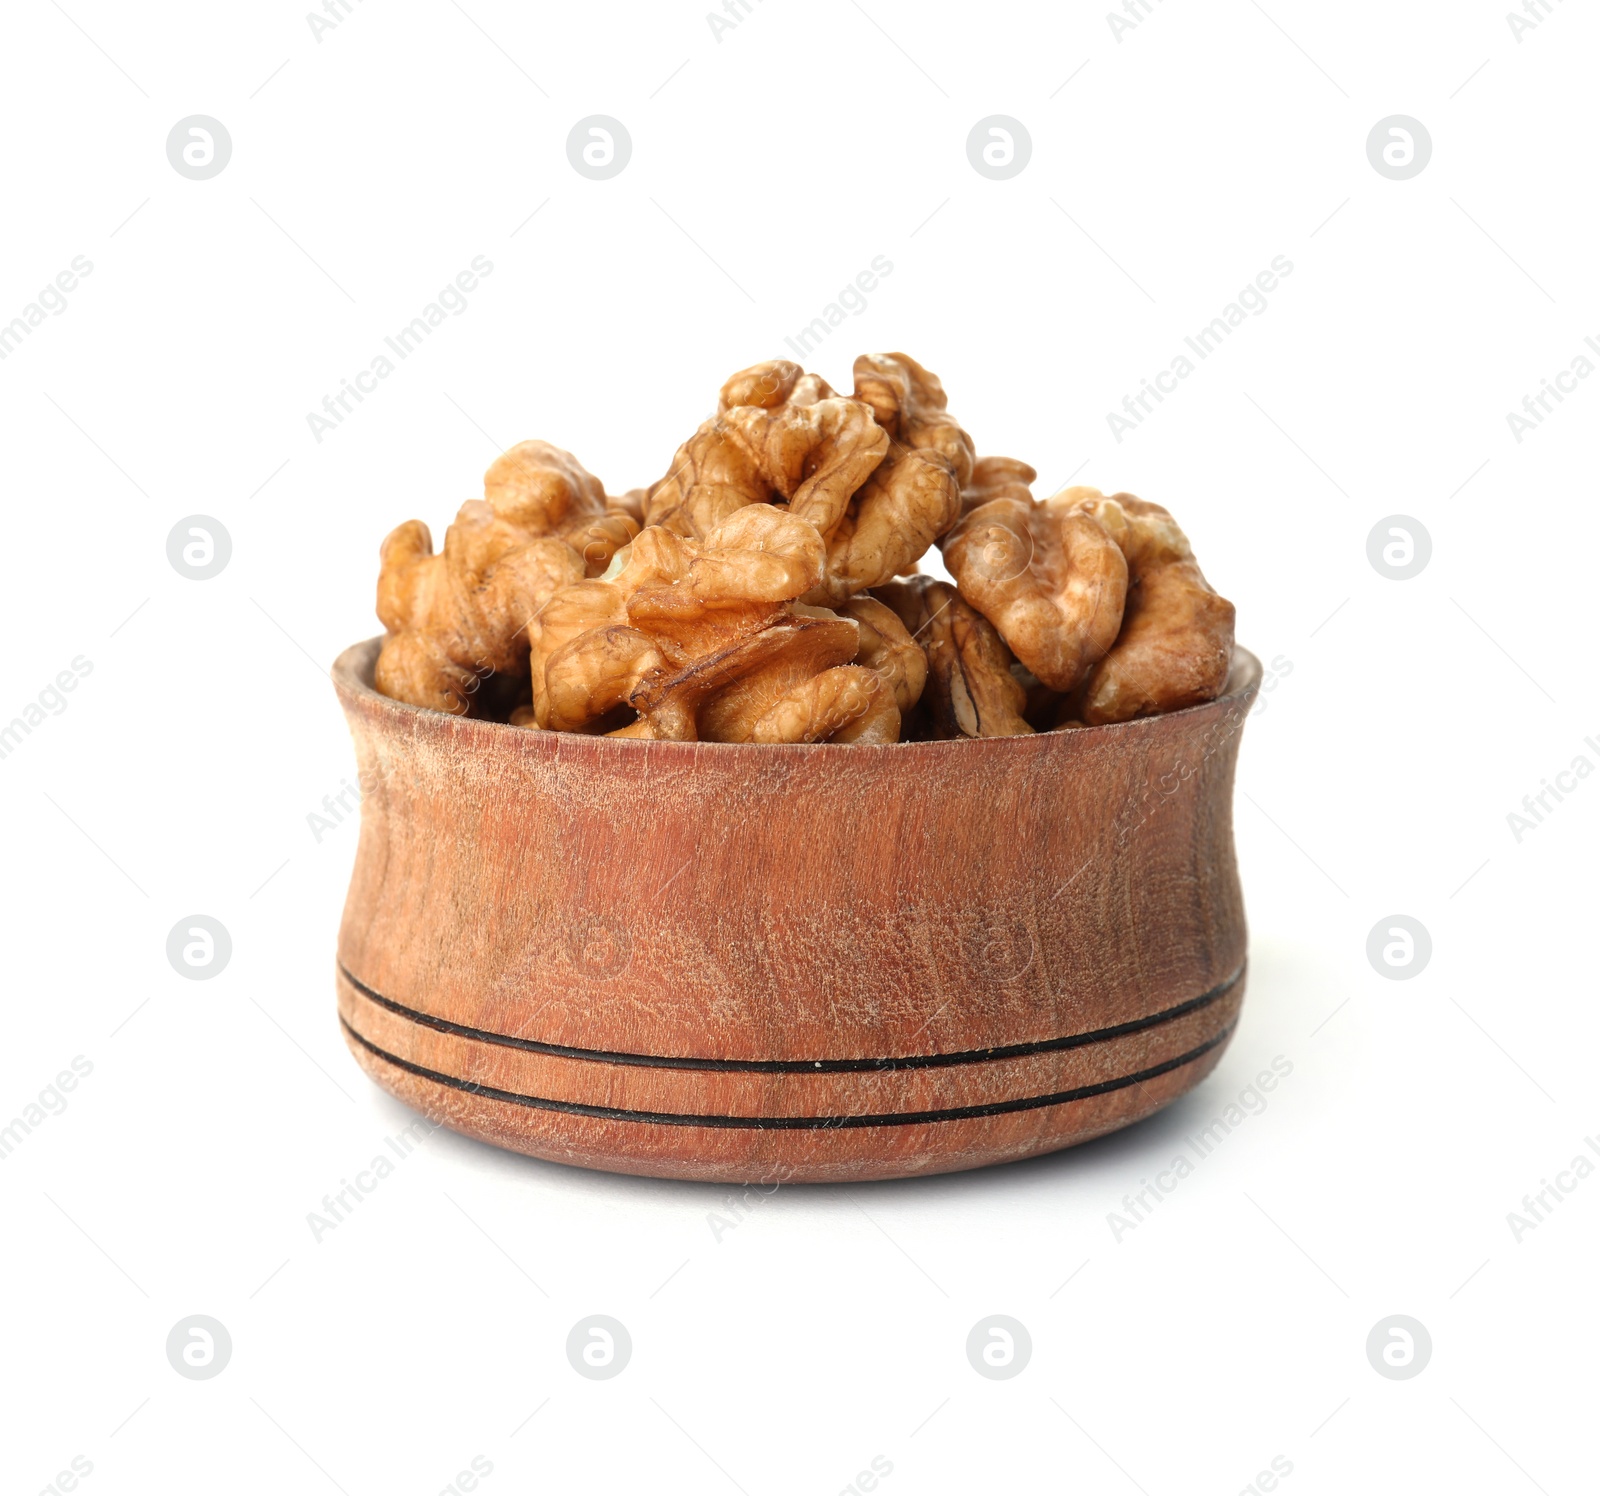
(756,962)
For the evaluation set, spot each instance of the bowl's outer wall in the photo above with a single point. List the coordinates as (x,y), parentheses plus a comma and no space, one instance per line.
(761,902)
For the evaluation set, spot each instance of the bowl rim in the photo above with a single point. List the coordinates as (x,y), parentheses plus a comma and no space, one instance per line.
(352,675)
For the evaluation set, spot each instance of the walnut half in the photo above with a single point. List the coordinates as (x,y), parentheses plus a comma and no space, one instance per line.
(1175,646)
(1048,576)
(970,692)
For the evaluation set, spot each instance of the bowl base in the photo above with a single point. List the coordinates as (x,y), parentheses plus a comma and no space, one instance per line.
(788,1122)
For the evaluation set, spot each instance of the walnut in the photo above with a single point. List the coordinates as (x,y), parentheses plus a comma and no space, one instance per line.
(909,403)
(773,383)
(907,503)
(996,478)
(732,600)
(1175,646)
(712,475)
(594,674)
(458,617)
(888,649)
(1048,576)
(631,504)
(879,473)
(701,637)
(811,457)
(540,489)
(849,704)
(789,682)
(914,495)
(971,691)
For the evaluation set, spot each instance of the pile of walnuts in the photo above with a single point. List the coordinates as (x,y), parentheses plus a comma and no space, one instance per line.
(765,590)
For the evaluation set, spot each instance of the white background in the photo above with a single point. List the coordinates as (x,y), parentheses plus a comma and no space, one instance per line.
(768,168)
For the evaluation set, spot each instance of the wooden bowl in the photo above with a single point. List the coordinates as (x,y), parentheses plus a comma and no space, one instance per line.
(745,962)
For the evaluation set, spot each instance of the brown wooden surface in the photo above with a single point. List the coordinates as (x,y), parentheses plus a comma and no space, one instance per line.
(760,908)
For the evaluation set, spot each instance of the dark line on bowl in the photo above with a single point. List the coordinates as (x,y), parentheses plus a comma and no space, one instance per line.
(796,1124)
(796,1067)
